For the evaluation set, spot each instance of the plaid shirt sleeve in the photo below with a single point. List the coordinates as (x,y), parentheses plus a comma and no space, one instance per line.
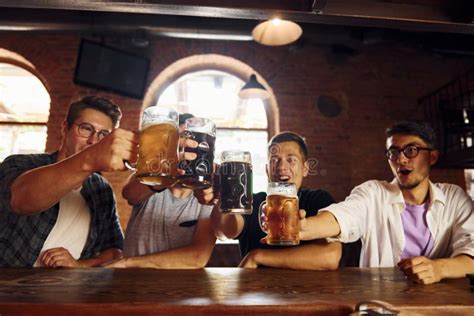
(106,231)
(114,235)
(11,168)
(21,237)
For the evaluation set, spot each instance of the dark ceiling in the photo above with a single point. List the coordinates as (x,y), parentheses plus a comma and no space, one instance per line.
(234,16)
(440,25)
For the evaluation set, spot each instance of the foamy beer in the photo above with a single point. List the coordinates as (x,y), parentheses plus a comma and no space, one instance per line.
(158,147)
(235,182)
(198,173)
(281,216)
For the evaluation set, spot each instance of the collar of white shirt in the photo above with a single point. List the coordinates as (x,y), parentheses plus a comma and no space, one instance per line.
(396,196)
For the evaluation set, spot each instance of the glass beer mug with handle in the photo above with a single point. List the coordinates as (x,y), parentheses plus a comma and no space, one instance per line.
(235,182)
(198,173)
(280,219)
(158,147)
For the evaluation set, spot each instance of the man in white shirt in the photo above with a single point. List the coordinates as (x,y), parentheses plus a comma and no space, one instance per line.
(426,229)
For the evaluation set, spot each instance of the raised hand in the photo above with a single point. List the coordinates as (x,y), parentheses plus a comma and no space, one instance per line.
(187,143)
(109,154)
(209,196)
(303,225)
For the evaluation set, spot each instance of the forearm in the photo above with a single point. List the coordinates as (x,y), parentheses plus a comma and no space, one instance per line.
(39,189)
(318,255)
(226,226)
(455,267)
(103,257)
(323,225)
(190,257)
(135,192)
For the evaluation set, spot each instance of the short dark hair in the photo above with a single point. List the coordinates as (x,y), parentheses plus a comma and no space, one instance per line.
(416,128)
(290,137)
(100,104)
(183,117)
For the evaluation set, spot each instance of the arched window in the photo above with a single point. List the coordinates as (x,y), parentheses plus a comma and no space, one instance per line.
(241,124)
(207,85)
(24,110)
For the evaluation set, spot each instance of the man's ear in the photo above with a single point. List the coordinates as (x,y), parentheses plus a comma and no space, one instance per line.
(434,155)
(267,170)
(305,169)
(64,128)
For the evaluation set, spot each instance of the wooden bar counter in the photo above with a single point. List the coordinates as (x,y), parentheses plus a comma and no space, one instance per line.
(222,291)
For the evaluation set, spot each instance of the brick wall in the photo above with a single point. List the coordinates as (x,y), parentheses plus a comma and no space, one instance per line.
(377,86)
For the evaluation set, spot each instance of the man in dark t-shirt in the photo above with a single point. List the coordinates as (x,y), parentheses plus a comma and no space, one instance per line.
(287,162)
(309,200)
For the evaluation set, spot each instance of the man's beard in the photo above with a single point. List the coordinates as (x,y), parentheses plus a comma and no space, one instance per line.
(409,186)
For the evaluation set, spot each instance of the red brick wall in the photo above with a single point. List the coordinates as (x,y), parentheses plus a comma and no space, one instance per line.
(376,87)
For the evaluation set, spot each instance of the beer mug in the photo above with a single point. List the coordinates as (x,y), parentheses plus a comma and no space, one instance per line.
(235,182)
(281,216)
(158,147)
(198,173)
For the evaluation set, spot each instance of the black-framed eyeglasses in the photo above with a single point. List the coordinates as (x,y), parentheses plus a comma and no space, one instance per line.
(86,130)
(410,151)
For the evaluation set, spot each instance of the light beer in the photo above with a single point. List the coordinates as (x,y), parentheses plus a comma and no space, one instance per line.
(282,220)
(158,154)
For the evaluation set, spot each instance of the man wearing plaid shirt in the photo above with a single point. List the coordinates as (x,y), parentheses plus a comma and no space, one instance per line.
(56,210)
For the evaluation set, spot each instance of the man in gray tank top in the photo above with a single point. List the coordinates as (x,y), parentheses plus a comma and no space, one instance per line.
(168,228)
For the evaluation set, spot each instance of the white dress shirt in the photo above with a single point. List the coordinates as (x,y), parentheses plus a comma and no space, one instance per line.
(372,212)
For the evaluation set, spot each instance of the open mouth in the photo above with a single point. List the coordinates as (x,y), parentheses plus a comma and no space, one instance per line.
(404,172)
(283,178)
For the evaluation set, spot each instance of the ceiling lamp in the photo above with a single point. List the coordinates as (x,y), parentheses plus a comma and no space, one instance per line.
(276,32)
(253,89)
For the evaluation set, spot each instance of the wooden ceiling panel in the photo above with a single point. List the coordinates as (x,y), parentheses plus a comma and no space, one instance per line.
(417,15)
(290,5)
(431,3)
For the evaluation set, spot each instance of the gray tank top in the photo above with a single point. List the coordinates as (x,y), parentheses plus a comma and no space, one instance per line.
(163,222)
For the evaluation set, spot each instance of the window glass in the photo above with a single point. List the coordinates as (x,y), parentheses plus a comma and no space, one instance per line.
(21,139)
(241,124)
(24,110)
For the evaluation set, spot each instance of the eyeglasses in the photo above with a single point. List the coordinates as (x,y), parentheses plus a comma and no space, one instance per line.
(86,130)
(410,151)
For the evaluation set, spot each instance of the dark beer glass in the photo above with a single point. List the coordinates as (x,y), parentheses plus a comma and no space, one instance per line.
(198,173)
(281,215)
(235,182)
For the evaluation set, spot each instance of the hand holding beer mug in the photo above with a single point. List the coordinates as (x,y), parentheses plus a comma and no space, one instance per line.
(198,173)
(235,182)
(280,220)
(158,147)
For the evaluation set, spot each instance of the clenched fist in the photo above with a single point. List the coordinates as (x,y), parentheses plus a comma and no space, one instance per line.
(109,154)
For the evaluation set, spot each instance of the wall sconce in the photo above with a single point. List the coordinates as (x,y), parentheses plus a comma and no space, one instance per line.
(253,89)
(276,32)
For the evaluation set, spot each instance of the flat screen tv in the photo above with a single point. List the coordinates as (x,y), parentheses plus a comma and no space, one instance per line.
(111,69)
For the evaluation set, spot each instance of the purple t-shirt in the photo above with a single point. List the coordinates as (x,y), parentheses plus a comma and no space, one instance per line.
(418,239)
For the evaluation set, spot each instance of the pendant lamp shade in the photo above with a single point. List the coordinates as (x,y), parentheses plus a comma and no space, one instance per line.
(253,89)
(276,32)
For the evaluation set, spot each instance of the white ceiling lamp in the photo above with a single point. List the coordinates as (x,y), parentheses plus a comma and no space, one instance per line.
(276,32)
(253,90)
